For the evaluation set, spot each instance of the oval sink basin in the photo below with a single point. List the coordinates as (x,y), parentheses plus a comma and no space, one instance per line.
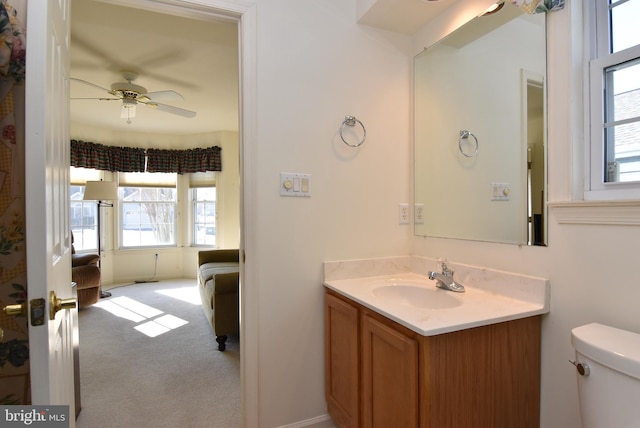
(419,297)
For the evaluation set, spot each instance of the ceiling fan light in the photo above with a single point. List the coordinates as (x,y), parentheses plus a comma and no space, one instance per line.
(128,111)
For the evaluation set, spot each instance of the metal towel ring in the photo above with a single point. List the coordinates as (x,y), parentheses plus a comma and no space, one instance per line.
(351,121)
(465,135)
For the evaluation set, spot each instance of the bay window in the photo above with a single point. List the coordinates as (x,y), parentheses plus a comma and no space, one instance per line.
(83,215)
(203,208)
(148,209)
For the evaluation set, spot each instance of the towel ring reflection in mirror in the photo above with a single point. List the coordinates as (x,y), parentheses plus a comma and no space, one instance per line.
(351,121)
(464,135)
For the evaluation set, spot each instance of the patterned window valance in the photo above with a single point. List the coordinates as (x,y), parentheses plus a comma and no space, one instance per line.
(184,161)
(107,158)
(132,159)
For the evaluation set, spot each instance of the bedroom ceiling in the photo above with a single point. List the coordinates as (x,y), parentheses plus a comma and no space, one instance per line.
(198,59)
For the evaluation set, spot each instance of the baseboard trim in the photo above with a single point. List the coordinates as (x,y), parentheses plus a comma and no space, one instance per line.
(323,421)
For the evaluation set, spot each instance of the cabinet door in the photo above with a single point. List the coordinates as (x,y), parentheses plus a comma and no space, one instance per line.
(341,361)
(484,377)
(389,376)
(515,372)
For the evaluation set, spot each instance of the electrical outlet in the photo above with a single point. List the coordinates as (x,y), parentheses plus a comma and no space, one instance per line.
(418,213)
(403,213)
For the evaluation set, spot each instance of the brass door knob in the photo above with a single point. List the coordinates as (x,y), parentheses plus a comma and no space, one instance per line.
(14,310)
(56,304)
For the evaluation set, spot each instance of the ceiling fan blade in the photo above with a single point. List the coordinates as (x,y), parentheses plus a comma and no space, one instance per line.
(104,59)
(161,96)
(99,99)
(170,109)
(90,84)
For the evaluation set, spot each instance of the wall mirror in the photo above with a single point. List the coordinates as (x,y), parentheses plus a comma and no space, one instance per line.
(480,131)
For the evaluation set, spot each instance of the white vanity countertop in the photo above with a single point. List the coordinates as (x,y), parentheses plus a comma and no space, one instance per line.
(481,304)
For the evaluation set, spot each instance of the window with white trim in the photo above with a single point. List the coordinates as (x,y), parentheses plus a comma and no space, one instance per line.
(148,203)
(614,91)
(202,187)
(83,215)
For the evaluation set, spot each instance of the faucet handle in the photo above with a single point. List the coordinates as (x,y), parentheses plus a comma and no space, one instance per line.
(445,268)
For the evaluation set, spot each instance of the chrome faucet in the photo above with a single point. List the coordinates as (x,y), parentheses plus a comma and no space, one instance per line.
(445,279)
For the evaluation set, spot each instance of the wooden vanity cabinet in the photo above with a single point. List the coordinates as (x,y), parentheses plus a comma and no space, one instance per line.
(382,374)
(342,361)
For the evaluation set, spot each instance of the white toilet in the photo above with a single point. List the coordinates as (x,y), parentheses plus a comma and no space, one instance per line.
(608,363)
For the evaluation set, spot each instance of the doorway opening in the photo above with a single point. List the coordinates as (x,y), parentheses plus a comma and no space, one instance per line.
(222,13)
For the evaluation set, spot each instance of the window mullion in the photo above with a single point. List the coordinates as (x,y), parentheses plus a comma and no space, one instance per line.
(597,117)
(603,28)
(613,123)
(609,163)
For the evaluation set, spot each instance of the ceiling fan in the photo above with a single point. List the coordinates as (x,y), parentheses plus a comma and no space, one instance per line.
(131,95)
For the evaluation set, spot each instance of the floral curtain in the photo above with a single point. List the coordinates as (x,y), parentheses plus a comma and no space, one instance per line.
(539,6)
(14,348)
(131,159)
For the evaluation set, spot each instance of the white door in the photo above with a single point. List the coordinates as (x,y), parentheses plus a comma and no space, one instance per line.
(47,200)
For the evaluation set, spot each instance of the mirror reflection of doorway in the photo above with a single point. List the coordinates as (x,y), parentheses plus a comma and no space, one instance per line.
(535,138)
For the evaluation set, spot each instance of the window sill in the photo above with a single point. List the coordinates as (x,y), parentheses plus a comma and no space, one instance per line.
(620,213)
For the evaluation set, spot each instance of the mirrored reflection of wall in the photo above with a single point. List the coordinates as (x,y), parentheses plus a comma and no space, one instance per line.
(474,82)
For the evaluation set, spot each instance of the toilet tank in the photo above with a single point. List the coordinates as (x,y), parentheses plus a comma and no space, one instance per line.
(610,394)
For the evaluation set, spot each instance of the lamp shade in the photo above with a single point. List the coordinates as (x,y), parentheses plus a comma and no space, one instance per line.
(100,191)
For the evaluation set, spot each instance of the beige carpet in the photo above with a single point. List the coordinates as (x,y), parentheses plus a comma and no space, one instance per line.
(148,358)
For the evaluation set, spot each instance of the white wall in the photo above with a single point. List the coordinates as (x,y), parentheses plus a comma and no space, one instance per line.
(315,66)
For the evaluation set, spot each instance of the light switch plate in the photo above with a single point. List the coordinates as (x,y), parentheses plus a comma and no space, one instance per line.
(295,184)
(500,191)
